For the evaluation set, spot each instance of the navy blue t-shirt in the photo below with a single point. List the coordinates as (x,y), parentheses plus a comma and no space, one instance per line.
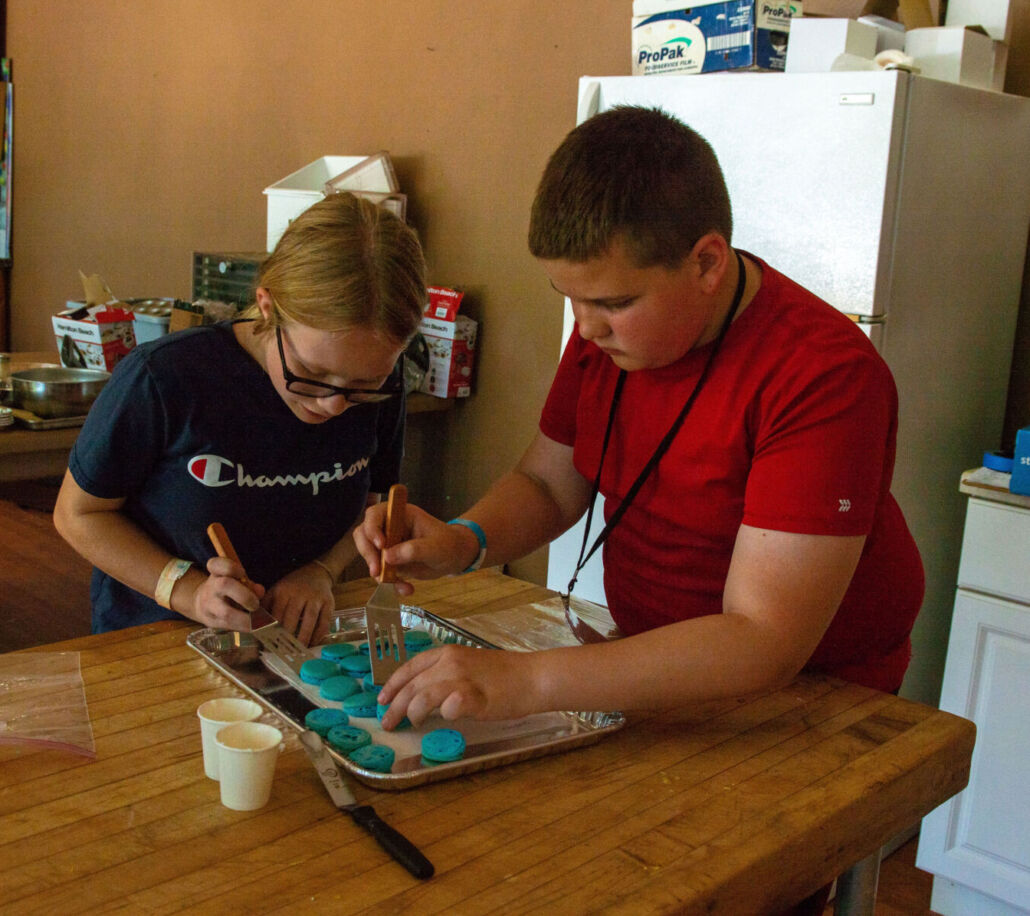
(189,430)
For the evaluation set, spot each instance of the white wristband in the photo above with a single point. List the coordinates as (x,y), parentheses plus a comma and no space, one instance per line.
(174,570)
(329,572)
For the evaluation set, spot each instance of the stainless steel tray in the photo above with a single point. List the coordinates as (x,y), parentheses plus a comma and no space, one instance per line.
(488,744)
(32,421)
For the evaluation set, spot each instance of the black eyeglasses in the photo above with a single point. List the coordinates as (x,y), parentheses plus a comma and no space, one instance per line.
(308,388)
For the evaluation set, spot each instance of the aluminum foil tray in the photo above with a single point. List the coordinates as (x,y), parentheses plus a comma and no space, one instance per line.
(240,658)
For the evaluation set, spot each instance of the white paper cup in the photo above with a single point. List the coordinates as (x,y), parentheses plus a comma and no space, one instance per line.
(247,753)
(216,714)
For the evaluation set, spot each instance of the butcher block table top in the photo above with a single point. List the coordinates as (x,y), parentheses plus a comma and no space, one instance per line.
(736,807)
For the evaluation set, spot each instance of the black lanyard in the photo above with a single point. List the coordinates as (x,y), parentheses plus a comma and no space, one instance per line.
(662,448)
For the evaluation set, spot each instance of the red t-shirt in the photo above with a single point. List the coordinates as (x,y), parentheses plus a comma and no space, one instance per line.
(794,431)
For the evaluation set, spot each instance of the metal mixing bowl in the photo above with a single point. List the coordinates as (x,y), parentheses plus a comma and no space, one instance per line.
(56,392)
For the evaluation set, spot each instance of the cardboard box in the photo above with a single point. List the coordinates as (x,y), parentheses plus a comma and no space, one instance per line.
(150,316)
(203,311)
(837,9)
(96,337)
(1020,481)
(912,14)
(185,315)
(816,43)
(890,35)
(956,54)
(451,339)
(372,173)
(292,195)
(97,332)
(669,37)
(997,17)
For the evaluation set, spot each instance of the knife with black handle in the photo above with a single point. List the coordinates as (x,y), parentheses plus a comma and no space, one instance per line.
(398,846)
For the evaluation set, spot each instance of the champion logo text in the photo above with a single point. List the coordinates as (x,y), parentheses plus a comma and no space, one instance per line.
(216,471)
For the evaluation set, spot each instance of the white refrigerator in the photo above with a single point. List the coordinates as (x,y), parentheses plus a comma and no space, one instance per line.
(904,202)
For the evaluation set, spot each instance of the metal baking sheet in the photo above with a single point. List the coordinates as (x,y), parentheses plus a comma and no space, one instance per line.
(488,744)
(32,421)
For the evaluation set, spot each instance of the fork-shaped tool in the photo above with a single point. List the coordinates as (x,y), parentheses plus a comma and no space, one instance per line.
(383,612)
(263,626)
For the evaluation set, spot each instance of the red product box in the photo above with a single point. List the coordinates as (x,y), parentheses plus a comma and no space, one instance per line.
(94,337)
(451,339)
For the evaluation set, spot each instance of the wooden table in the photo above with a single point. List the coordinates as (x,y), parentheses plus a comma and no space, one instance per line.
(737,807)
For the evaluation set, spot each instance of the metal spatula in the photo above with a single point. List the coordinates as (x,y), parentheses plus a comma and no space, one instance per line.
(263,626)
(383,612)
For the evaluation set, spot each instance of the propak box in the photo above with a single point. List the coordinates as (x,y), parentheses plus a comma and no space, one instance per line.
(710,35)
(451,339)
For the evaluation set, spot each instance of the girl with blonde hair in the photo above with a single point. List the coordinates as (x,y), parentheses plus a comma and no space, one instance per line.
(283,425)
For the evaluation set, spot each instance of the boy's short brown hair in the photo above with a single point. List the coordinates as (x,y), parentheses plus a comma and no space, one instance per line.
(635,173)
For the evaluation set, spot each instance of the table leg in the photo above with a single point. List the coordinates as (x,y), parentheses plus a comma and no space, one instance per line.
(856,888)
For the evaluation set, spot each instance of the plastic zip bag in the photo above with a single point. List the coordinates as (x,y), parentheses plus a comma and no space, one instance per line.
(542,625)
(43,702)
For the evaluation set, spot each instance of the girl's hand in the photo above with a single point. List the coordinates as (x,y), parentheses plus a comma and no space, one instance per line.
(460,681)
(225,598)
(301,600)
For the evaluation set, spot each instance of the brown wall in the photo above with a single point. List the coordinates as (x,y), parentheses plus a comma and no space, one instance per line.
(147,130)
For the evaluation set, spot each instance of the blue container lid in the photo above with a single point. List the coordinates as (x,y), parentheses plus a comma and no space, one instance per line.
(998,461)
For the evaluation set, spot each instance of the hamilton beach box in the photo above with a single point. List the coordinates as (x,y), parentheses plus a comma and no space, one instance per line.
(451,339)
(710,35)
(94,337)
(96,332)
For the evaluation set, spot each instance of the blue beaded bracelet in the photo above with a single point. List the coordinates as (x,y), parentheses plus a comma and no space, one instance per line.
(480,536)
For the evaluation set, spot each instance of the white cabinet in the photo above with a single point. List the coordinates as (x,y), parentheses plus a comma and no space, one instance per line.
(977,845)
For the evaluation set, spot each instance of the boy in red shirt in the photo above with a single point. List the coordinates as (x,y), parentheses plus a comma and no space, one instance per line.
(741,431)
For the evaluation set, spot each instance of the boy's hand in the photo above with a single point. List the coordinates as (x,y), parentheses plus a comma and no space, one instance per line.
(433,549)
(462,682)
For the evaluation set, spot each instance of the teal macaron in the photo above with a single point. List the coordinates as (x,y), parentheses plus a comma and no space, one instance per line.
(321,720)
(443,745)
(347,738)
(417,640)
(368,684)
(377,757)
(334,651)
(355,665)
(361,705)
(338,688)
(381,711)
(316,670)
